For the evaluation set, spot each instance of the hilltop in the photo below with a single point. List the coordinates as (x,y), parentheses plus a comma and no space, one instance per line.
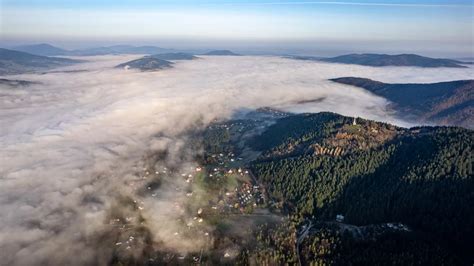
(174,56)
(120,49)
(394,60)
(221,52)
(381,60)
(43,49)
(146,63)
(16,62)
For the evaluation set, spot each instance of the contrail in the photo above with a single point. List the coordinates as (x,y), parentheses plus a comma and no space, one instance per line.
(354,4)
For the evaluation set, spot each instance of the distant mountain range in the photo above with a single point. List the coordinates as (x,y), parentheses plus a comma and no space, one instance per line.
(376,60)
(444,103)
(156,61)
(380,60)
(221,52)
(122,49)
(49,50)
(158,52)
(15,62)
(146,63)
(42,49)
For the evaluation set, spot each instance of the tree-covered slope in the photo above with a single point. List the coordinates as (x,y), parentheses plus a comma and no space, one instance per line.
(221,52)
(16,62)
(174,56)
(320,165)
(444,103)
(379,60)
(146,63)
(383,60)
(43,49)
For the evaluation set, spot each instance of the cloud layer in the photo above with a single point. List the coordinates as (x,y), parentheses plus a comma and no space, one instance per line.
(74,147)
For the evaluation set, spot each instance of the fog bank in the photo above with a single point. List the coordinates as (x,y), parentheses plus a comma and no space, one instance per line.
(74,147)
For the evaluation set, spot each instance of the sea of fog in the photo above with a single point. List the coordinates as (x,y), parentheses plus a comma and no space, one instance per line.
(70,143)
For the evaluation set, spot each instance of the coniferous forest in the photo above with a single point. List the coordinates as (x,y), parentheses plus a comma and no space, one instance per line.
(365,192)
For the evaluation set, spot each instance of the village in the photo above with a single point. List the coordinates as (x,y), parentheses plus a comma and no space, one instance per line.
(231,188)
(205,195)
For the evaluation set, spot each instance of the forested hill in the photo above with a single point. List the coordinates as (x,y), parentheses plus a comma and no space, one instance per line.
(146,63)
(15,62)
(443,103)
(384,60)
(174,56)
(221,52)
(321,165)
(380,60)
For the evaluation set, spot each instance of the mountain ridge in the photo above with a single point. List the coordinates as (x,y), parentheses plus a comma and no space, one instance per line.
(146,63)
(382,60)
(46,49)
(16,62)
(443,103)
(43,49)
(174,56)
(221,53)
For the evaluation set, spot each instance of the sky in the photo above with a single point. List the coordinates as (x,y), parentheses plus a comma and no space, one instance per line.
(431,27)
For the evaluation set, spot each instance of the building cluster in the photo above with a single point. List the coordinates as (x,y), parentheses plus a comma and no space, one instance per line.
(249,195)
(398,226)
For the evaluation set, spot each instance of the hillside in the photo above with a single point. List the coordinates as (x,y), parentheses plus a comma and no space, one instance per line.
(50,50)
(346,191)
(120,49)
(443,103)
(146,64)
(42,49)
(15,62)
(324,189)
(380,60)
(394,60)
(221,52)
(174,56)
(320,165)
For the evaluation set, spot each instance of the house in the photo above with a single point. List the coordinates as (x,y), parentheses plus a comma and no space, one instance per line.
(340,218)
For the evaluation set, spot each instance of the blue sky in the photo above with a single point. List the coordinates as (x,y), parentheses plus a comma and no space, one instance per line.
(365,24)
(109,3)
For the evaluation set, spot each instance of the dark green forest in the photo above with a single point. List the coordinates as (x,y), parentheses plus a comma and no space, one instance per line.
(421,177)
